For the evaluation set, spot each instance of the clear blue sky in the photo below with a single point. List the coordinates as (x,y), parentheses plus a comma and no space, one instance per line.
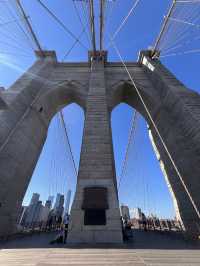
(54,174)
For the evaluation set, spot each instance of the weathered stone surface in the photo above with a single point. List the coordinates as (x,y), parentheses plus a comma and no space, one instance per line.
(49,85)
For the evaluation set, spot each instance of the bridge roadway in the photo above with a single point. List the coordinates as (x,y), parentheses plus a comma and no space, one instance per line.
(146,249)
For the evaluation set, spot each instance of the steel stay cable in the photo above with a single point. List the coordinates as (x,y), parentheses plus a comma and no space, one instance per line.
(62,139)
(12,37)
(85,15)
(68,142)
(188,1)
(181,53)
(61,23)
(20,27)
(164,25)
(108,16)
(157,131)
(79,37)
(72,47)
(131,134)
(81,22)
(14,46)
(10,22)
(178,37)
(183,31)
(179,45)
(184,17)
(123,22)
(185,22)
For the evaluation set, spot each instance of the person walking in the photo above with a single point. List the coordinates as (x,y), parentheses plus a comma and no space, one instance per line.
(66,225)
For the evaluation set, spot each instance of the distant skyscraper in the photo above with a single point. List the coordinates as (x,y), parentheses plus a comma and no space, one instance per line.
(48,204)
(44,213)
(33,213)
(137,213)
(67,202)
(58,207)
(125,212)
(35,198)
(51,198)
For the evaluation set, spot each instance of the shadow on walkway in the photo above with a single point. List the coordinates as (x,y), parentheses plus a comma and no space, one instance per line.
(140,240)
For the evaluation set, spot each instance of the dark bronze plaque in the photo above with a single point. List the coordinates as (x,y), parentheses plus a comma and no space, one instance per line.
(95,217)
(95,198)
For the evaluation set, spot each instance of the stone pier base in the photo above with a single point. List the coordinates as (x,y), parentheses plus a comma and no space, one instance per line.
(109,233)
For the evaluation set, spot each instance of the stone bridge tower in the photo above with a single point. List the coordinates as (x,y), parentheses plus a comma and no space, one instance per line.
(27,108)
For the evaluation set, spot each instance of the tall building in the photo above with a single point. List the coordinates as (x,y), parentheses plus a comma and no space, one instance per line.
(44,214)
(33,210)
(51,198)
(33,213)
(58,207)
(67,202)
(125,212)
(35,198)
(48,204)
(137,213)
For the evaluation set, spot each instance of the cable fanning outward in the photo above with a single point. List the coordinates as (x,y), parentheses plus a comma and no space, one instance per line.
(180,28)
(66,29)
(124,22)
(130,139)
(81,22)
(68,142)
(157,130)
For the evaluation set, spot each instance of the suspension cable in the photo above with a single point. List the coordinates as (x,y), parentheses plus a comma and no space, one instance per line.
(85,11)
(61,23)
(157,130)
(68,142)
(21,9)
(102,18)
(181,53)
(184,22)
(28,38)
(80,20)
(165,23)
(131,134)
(92,24)
(123,22)
(72,47)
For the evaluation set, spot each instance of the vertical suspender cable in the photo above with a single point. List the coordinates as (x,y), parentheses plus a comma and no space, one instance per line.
(102,15)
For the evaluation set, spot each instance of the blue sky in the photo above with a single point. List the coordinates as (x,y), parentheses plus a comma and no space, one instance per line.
(143,185)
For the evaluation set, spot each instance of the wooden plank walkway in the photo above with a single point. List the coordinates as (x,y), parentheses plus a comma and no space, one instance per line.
(35,251)
(97,257)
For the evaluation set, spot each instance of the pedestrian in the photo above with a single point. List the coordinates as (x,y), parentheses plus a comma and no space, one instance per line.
(66,225)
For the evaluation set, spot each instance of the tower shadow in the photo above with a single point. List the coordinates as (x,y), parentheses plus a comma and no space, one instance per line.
(140,240)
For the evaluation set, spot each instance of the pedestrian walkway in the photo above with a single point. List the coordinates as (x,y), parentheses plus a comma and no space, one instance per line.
(35,251)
